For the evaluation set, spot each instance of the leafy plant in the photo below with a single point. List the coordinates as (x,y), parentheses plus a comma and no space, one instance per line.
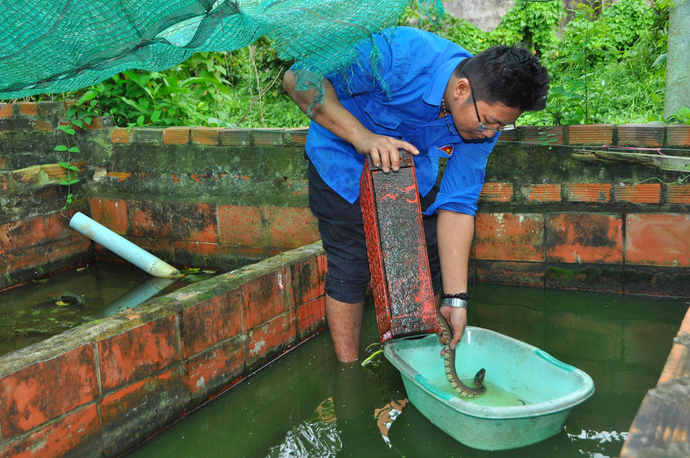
(78,115)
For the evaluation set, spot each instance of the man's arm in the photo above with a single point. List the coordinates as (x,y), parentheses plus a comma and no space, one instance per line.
(333,116)
(455,232)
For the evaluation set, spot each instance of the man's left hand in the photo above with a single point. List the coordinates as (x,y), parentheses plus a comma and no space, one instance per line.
(457,318)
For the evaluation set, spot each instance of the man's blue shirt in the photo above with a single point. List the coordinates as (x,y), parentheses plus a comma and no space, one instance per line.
(404,102)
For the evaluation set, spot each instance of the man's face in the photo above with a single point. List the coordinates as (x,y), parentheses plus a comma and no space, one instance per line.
(477,119)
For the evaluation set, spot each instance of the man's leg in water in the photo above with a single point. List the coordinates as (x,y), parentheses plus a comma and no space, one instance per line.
(345,324)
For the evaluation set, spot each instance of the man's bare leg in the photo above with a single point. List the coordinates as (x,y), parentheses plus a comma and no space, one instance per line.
(345,324)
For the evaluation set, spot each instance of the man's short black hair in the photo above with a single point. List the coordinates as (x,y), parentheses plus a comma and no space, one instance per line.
(507,74)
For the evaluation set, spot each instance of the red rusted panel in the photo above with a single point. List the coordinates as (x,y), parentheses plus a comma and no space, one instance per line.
(403,292)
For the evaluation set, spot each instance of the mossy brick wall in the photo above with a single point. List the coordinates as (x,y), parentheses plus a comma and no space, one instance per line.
(35,238)
(208,197)
(100,389)
(548,218)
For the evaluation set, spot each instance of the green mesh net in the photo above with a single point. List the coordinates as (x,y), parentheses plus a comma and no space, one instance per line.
(53,46)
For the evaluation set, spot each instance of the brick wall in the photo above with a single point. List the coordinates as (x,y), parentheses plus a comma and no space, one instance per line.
(208,197)
(102,388)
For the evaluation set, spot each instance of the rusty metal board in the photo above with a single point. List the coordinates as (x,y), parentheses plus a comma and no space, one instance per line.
(398,260)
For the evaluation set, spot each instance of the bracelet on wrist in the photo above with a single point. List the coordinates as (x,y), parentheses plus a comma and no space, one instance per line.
(463,296)
(455,303)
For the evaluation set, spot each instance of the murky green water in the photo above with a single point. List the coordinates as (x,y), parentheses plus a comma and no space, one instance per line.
(307,405)
(36,311)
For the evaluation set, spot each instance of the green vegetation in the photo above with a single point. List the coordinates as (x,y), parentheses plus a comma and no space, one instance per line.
(607,65)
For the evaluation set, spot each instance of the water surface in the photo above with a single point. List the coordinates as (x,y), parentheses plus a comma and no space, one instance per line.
(43,308)
(308,405)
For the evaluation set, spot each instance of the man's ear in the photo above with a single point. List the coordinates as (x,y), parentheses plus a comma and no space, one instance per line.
(461,88)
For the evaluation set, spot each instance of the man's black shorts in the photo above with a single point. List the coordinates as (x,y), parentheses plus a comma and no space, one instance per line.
(342,233)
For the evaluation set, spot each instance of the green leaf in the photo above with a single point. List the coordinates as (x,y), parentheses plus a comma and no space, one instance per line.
(140,120)
(70,131)
(73,149)
(88,120)
(68,166)
(155,115)
(78,123)
(88,95)
(70,112)
(61,148)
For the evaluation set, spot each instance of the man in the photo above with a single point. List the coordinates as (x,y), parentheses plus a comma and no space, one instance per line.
(430,97)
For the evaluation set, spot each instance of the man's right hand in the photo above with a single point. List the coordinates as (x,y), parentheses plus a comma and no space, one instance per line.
(383,150)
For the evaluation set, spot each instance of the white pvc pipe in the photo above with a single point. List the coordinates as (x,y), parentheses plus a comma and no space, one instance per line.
(123,247)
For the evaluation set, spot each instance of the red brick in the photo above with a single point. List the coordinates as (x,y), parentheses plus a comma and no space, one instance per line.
(42,125)
(266,297)
(121,135)
(67,248)
(194,222)
(646,193)
(26,259)
(110,213)
(6,110)
(510,273)
(153,245)
(76,434)
(28,108)
(31,396)
(134,413)
(543,192)
(151,219)
(198,248)
(311,316)
(678,134)
(591,134)
(249,252)
(292,227)
(308,279)
(678,193)
(235,137)
(496,192)
(543,134)
(584,238)
(205,136)
(588,192)
(509,237)
(657,239)
(3,163)
(23,233)
(267,137)
(641,135)
(269,338)
(243,226)
(216,368)
(176,135)
(509,135)
(138,353)
(210,322)
(296,136)
(97,123)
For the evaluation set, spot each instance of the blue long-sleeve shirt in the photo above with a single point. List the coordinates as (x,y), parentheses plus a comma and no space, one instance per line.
(404,102)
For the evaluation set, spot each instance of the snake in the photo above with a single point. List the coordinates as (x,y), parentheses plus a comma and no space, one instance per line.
(449,362)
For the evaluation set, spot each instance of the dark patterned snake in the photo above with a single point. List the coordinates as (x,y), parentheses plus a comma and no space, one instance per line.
(449,361)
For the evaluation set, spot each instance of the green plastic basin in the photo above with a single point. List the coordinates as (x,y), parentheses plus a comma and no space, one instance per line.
(529,392)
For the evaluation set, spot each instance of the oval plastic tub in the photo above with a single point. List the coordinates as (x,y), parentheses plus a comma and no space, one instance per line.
(529,392)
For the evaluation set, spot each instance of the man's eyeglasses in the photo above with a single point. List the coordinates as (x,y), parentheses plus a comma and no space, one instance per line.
(481,126)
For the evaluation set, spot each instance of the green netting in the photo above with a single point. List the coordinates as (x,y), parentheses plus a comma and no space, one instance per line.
(53,46)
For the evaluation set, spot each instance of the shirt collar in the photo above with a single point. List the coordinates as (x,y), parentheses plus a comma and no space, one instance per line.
(434,93)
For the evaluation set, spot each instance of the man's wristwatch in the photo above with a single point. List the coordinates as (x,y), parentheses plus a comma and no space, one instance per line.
(455,303)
